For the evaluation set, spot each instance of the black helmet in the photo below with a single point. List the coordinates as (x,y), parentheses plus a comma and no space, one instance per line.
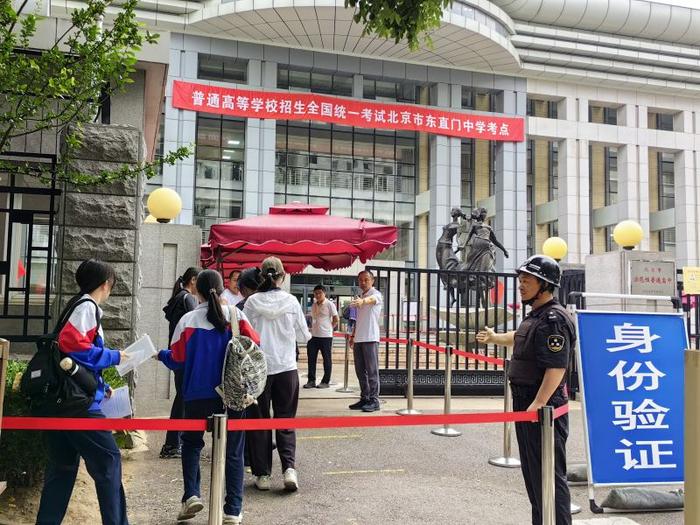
(542,267)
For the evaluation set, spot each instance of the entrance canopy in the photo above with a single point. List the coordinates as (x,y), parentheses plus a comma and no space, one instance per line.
(300,235)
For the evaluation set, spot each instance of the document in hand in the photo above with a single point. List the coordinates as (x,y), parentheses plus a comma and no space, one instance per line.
(118,405)
(138,353)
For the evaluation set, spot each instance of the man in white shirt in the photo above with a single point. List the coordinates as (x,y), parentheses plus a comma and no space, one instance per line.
(365,342)
(324,318)
(232,294)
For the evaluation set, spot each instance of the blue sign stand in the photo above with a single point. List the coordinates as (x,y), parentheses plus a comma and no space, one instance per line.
(631,371)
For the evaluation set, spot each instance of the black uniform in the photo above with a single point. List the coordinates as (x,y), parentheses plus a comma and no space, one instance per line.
(545,339)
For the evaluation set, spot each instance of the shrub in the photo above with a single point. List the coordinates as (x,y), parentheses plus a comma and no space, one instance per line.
(22,452)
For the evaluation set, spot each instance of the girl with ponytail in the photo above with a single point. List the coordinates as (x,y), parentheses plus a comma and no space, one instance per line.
(277,315)
(182,300)
(198,348)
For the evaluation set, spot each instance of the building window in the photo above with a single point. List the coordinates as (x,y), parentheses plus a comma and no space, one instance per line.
(610,244)
(467,169)
(404,92)
(542,108)
(553,229)
(479,100)
(667,240)
(664,121)
(602,115)
(224,69)
(218,194)
(356,172)
(553,174)
(298,79)
(492,168)
(667,196)
(610,176)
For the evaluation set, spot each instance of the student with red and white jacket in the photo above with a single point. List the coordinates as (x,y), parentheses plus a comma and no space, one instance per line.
(198,347)
(81,339)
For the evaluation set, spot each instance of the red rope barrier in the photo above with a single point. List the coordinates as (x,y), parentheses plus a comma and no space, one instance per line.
(60,423)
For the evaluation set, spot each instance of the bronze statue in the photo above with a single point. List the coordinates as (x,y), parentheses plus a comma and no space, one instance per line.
(480,255)
(459,217)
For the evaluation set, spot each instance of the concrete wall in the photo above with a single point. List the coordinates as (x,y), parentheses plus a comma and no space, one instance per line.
(170,250)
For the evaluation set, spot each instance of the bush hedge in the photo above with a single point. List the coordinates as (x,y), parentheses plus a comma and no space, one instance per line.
(22,453)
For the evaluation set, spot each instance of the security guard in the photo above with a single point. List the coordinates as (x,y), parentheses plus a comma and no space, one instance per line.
(543,345)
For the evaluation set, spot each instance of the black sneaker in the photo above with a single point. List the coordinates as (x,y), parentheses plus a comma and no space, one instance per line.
(170,452)
(372,406)
(358,405)
(310,384)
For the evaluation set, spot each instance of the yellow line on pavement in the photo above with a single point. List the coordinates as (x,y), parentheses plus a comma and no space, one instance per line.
(347,472)
(332,436)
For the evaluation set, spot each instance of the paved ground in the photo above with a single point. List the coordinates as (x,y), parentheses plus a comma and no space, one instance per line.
(366,476)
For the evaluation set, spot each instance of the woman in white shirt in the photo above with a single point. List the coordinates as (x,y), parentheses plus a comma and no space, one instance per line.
(277,316)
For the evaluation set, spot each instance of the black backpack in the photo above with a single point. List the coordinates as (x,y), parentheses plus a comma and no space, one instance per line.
(52,392)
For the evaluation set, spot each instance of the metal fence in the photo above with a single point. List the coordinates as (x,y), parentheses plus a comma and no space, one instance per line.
(444,308)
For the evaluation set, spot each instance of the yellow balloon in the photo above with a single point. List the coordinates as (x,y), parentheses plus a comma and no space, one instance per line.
(555,247)
(628,234)
(164,204)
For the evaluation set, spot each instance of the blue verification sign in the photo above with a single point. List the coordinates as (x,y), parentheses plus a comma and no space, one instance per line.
(631,370)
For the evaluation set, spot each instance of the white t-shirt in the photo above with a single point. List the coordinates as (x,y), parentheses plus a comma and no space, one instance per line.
(322,318)
(230,298)
(368,316)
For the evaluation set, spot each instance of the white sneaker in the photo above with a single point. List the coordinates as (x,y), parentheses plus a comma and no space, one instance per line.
(233,520)
(190,508)
(291,482)
(262,482)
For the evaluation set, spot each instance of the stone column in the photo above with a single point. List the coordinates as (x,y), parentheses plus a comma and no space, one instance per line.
(103,222)
(574,198)
(445,178)
(172,248)
(511,191)
(633,187)
(687,197)
(259,183)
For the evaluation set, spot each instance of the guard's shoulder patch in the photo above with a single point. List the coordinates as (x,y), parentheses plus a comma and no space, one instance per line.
(555,342)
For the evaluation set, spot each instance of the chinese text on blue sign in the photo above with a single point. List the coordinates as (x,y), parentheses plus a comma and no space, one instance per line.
(631,368)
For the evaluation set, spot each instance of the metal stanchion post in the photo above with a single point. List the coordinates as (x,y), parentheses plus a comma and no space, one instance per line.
(346,389)
(546,417)
(445,430)
(218,464)
(506,460)
(692,434)
(409,410)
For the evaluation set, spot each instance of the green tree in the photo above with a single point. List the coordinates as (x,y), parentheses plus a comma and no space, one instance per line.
(399,19)
(58,90)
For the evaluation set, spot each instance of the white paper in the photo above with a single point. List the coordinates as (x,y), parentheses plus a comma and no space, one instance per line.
(138,353)
(119,405)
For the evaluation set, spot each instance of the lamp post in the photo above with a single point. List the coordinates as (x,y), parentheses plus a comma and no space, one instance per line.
(164,204)
(556,248)
(628,234)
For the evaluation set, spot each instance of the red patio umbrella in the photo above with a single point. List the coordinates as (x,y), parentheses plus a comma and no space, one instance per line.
(300,235)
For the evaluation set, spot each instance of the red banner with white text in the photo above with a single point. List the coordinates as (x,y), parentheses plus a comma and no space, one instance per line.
(285,105)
